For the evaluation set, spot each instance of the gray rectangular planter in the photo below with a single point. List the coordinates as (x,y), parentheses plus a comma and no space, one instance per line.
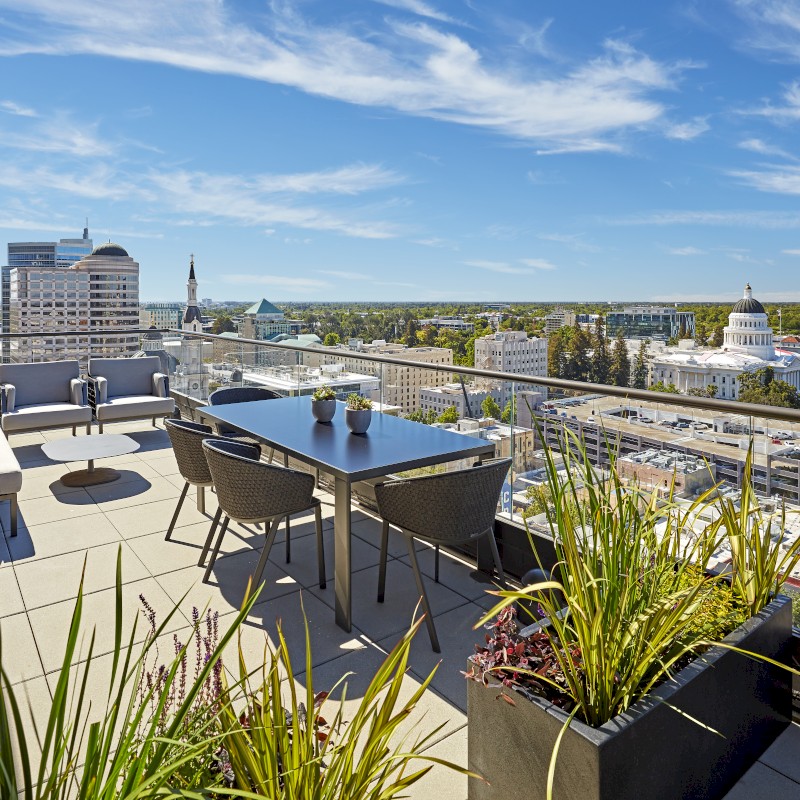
(651,752)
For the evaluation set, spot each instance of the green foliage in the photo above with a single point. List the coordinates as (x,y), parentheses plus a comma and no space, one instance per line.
(760,386)
(450,414)
(331,339)
(490,408)
(668,388)
(163,739)
(718,337)
(223,324)
(710,390)
(638,601)
(425,417)
(759,562)
(356,402)
(620,370)
(639,371)
(601,359)
(509,415)
(323,392)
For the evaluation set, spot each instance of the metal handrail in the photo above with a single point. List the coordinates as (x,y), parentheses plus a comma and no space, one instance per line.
(627,393)
(623,392)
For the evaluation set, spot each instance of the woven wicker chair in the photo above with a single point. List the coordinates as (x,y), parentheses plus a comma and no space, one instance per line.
(445,509)
(245,394)
(187,444)
(251,491)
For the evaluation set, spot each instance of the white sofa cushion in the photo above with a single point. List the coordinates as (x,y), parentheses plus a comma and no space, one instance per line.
(43,382)
(46,415)
(133,407)
(10,472)
(126,376)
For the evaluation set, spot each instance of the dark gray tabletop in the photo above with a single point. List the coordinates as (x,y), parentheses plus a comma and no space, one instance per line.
(390,445)
(89,448)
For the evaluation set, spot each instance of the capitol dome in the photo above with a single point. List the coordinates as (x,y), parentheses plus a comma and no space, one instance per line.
(748,305)
(109,249)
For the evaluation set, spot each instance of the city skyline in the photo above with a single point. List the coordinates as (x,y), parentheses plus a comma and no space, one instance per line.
(412,150)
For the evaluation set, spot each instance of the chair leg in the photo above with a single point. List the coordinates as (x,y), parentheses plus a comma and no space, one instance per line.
(154,423)
(74,427)
(14,514)
(382,569)
(215,551)
(496,556)
(285,459)
(99,427)
(436,564)
(209,538)
(288,540)
(201,499)
(177,511)
(320,547)
(271,454)
(262,562)
(423,594)
(88,428)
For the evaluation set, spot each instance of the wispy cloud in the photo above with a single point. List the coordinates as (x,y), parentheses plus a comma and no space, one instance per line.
(419,8)
(352,179)
(764,148)
(686,131)
(10,107)
(411,67)
(537,263)
(60,134)
(245,201)
(767,220)
(532,266)
(791,252)
(787,111)
(574,241)
(274,281)
(772,27)
(774,179)
(685,251)
(343,275)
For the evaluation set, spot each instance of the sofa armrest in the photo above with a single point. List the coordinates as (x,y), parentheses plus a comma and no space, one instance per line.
(8,394)
(97,390)
(160,384)
(77,392)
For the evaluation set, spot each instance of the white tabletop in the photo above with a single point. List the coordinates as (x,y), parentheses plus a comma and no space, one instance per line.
(88,448)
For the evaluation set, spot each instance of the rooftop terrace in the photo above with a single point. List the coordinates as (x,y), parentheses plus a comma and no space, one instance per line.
(60,527)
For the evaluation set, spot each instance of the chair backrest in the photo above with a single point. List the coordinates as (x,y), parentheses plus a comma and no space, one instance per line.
(127,377)
(43,382)
(187,443)
(450,507)
(249,489)
(240,394)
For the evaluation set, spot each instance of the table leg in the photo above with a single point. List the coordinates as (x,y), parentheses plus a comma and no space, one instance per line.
(91,466)
(341,543)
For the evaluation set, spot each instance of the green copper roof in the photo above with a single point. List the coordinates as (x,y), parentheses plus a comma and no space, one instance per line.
(263,307)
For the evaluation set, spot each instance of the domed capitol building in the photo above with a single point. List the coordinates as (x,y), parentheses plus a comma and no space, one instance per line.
(747,346)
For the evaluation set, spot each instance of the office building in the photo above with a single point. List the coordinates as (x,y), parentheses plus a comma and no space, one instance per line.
(650,322)
(451,323)
(265,321)
(99,292)
(63,253)
(401,385)
(557,319)
(466,399)
(161,315)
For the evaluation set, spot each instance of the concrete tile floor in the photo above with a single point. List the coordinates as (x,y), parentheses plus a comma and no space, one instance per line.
(40,571)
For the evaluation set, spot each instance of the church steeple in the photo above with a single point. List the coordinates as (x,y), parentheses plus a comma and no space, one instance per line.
(191,318)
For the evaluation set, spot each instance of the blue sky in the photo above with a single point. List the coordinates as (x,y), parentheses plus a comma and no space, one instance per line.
(412,149)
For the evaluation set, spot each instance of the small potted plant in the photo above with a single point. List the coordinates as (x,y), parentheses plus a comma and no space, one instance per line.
(323,404)
(358,413)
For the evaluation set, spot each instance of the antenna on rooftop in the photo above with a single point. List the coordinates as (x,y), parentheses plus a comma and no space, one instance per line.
(86,229)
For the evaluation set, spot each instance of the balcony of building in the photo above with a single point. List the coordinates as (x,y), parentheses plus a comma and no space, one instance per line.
(61,527)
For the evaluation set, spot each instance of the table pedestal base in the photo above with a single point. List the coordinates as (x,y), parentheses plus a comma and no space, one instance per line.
(89,477)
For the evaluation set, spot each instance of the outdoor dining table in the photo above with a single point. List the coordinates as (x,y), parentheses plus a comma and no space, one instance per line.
(390,445)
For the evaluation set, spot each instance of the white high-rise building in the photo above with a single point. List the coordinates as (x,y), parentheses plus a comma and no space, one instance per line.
(515,352)
(99,292)
(747,346)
